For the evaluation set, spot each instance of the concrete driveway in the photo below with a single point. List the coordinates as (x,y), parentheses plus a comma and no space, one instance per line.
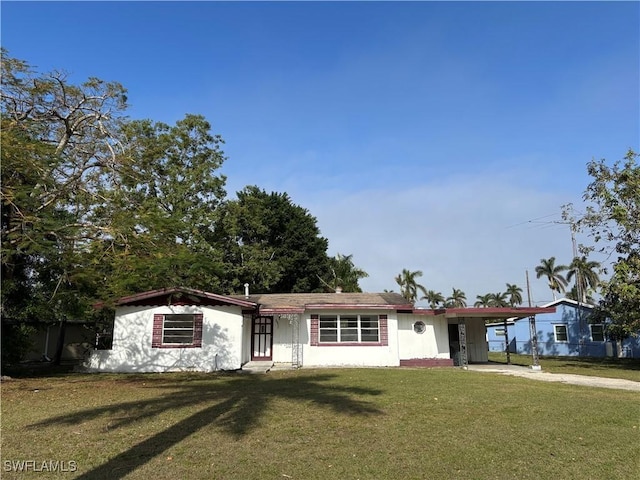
(585,380)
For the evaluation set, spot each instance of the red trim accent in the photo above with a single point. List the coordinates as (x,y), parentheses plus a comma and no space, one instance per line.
(485,312)
(262,336)
(384,330)
(158,320)
(427,362)
(197,329)
(156,341)
(351,344)
(315,327)
(179,346)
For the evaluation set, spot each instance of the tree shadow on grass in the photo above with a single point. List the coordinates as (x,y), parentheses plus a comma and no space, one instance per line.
(234,405)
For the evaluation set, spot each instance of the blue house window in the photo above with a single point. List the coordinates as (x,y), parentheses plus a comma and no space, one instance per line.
(560,333)
(597,332)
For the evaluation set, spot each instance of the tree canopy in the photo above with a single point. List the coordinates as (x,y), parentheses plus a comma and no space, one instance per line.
(612,219)
(96,206)
(271,243)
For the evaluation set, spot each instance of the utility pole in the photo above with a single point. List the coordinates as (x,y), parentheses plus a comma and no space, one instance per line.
(532,331)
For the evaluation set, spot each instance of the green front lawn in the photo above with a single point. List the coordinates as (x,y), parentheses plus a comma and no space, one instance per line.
(319,424)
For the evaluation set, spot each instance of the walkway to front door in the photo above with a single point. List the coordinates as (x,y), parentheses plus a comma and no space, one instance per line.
(261,338)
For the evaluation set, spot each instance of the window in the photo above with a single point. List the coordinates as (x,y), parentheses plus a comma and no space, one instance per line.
(419,327)
(177,330)
(597,333)
(349,328)
(560,333)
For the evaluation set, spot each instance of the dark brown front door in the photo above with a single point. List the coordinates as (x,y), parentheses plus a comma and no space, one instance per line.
(261,338)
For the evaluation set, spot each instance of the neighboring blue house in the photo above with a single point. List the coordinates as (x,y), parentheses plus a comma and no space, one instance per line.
(567,332)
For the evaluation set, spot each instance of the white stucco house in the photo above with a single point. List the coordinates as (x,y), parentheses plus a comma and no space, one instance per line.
(181,329)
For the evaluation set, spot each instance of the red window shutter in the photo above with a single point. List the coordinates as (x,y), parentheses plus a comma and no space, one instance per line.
(156,340)
(384,330)
(315,324)
(197,329)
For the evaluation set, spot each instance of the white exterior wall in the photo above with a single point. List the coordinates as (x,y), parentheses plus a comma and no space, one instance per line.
(477,346)
(433,343)
(282,336)
(357,356)
(132,335)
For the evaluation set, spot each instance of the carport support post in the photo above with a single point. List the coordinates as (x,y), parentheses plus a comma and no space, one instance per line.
(462,337)
(506,342)
(534,343)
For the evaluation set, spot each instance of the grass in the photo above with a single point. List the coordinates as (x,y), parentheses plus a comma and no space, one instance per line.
(319,424)
(625,368)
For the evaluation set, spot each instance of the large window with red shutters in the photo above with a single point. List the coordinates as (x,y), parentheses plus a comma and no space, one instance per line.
(182,330)
(349,329)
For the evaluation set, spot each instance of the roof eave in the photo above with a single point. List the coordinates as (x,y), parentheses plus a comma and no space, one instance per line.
(138,297)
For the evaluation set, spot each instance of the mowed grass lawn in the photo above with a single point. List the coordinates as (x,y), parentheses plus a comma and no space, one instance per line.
(320,424)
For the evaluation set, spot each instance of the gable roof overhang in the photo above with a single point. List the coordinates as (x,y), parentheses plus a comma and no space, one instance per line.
(568,301)
(181,296)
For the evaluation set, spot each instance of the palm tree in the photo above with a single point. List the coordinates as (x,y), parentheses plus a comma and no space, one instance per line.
(408,285)
(515,294)
(586,275)
(498,299)
(573,295)
(434,298)
(483,300)
(549,269)
(343,274)
(458,299)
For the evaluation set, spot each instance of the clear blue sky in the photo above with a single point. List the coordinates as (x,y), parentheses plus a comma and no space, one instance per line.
(421,135)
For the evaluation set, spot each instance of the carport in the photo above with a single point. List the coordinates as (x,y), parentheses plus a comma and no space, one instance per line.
(467,333)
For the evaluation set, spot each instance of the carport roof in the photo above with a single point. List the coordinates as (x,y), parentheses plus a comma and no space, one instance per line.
(486,312)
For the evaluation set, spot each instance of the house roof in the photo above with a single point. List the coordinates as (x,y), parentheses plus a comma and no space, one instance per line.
(182,295)
(299,302)
(282,303)
(568,301)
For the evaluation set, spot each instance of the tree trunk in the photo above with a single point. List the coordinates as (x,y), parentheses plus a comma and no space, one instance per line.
(60,345)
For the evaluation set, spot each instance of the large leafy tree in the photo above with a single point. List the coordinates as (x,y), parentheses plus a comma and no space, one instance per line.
(59,142)
(271,243)
(613,220)
(95,205)
(553,272)
(163,208)
(408,283)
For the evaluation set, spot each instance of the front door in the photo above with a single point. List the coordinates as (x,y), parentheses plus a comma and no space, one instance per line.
(261,338)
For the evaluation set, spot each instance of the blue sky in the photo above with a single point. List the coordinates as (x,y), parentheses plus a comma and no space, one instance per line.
(433,136)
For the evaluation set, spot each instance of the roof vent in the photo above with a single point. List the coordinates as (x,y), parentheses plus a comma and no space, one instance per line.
(338,289)
(246,290)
